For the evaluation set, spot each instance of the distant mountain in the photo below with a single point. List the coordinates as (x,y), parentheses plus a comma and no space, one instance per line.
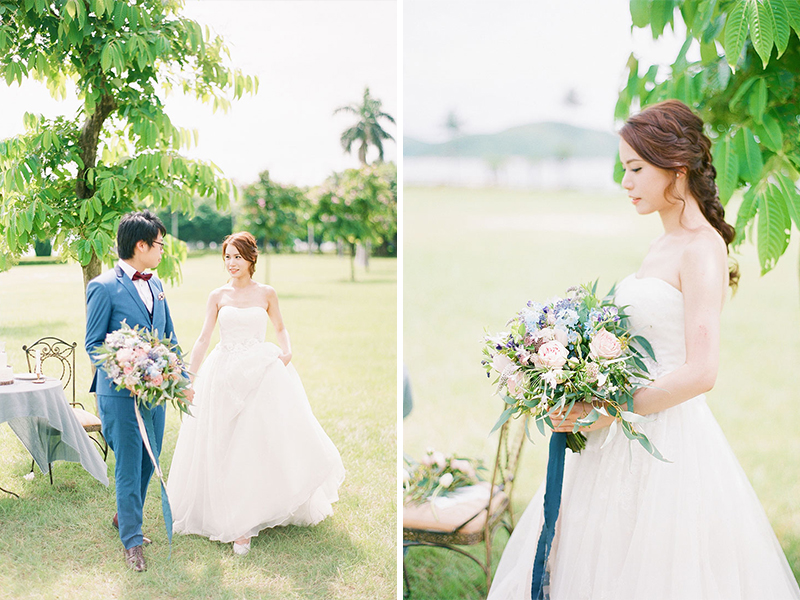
(536,140)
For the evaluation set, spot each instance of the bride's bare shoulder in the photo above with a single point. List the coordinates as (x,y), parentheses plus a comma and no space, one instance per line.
(705,257)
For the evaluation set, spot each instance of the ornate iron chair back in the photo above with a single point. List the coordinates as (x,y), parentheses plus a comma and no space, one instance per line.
(58,360)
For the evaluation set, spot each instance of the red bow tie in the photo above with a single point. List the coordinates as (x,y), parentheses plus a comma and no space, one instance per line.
(143,276)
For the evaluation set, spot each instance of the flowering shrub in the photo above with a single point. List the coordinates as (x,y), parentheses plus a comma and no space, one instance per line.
(437,474)
(569,350)
(150,368)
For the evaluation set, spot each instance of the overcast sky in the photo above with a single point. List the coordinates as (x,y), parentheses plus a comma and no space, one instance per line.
(310,57)
(505,63)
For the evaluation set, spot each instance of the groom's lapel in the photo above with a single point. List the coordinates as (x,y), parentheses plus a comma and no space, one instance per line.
(128,285)
(158,306)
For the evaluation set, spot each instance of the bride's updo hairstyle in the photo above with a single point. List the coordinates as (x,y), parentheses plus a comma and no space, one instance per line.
(670,136)
(245,243)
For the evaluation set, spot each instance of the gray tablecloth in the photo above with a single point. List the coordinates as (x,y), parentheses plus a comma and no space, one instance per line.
(44,421)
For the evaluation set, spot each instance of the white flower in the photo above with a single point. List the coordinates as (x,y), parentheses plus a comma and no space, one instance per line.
(446,480)
(29,476)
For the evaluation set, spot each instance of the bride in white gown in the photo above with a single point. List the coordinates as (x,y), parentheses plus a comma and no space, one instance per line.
(631,527)
(252,455)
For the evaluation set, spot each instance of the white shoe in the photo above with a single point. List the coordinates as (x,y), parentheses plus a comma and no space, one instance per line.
(241,549)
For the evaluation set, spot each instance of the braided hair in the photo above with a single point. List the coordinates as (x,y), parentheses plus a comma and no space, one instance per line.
(670,136)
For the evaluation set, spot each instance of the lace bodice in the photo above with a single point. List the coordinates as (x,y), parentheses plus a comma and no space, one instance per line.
(242,328)
(656,313)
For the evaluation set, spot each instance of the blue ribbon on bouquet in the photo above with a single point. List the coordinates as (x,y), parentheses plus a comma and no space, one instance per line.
(147,431)
(552,503)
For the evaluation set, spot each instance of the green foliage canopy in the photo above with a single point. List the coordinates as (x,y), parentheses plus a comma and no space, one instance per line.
(359,205)
(274,212)
(746,87)
(71,179)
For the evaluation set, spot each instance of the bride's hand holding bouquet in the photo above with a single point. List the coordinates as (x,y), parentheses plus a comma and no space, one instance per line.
(571,363)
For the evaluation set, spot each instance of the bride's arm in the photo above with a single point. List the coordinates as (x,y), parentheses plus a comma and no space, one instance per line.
(204,339)
(704,283)
(281,332)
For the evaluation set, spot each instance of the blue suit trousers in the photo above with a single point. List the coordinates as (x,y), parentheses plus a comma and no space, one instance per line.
(133,465)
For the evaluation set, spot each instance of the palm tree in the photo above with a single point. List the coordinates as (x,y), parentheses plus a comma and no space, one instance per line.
(367,130)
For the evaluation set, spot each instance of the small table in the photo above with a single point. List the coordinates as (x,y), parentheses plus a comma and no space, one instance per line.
(46,425)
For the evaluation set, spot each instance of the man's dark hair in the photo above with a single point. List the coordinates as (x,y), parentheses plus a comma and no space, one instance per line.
(135,227)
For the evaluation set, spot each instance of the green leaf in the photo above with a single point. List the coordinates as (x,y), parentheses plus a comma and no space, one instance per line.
(750,161)
(505,416)
(788,191)
(780,24)
(760,18)
(757,101)
(770,133)
(745,215)
(661,12)
(793,12)
(640,12)
(773,228)
(743,89)
(735,33)
(727,165)
(702,18)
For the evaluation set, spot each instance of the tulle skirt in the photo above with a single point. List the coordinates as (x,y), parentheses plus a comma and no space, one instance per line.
(634,528)
(252,455)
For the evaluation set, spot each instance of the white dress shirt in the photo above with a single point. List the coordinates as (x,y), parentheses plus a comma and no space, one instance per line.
(142,286)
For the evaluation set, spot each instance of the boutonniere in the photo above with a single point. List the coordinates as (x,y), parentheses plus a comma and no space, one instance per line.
(161,296)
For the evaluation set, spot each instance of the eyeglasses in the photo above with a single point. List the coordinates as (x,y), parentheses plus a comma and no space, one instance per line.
(159,243)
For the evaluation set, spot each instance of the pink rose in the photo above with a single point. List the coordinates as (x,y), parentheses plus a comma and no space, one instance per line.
(157,380)
(552,354)
(124,355)
(605,345)
(128,369)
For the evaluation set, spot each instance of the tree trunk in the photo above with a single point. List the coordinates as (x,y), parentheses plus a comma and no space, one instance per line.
(87,143)
(352,261)
(310,239)
(367,250)
(92,270)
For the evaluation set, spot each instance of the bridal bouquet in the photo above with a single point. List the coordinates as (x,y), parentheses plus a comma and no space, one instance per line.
(150,368)
(571,349)
(437,474)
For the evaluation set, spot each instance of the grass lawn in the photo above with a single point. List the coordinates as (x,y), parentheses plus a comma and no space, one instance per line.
(472,258)
(57,541)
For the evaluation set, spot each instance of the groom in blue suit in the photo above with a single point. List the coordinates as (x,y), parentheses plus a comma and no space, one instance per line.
(128,293)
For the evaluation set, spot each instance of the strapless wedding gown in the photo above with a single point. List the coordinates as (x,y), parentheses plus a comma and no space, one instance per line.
(252,455)
(634,528)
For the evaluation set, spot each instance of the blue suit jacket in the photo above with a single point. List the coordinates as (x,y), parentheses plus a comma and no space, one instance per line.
(110,299)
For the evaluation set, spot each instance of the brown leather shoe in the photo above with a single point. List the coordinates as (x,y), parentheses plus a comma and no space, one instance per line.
(134,558)
(115,522)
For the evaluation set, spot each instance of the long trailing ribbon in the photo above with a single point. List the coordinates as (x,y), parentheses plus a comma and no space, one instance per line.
(146,429)
(552,503)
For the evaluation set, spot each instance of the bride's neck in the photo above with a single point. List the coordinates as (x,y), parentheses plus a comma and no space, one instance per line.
(241,283)
(681,215)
